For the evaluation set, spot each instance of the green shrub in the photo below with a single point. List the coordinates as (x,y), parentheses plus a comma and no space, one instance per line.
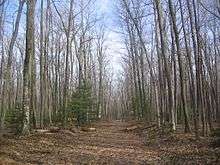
(80,104)
(14,118)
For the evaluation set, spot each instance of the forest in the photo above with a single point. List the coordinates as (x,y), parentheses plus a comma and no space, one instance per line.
(109,82)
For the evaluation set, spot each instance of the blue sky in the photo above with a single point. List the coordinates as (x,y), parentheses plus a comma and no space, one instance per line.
(105,8)
(115,46)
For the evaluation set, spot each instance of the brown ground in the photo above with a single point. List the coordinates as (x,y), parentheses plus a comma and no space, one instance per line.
(109,144)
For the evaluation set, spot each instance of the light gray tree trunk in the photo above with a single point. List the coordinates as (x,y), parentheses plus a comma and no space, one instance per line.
(28,55)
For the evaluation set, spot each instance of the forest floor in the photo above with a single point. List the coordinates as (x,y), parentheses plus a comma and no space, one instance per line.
(110,143)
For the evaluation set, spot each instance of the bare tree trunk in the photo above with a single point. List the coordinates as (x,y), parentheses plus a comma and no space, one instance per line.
(42,77)
(28,55)
(2,10)
(196,113)
(181,72)
(33,94)
(66,83)
(199,68)
(101,70)
(192,85)
(167,70)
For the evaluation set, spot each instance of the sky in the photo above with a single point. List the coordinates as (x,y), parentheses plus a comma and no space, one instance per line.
(115,46)
(104,8)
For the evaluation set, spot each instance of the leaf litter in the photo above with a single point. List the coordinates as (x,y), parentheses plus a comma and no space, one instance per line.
(108,143)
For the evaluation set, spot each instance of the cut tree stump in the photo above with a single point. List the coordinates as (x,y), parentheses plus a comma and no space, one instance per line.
(132,128)
(139,127)
(85,129)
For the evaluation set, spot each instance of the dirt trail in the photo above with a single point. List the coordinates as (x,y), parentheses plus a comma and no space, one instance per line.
(109,144)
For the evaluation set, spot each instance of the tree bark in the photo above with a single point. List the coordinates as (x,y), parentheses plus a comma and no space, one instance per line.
(180,62)
(28,55)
